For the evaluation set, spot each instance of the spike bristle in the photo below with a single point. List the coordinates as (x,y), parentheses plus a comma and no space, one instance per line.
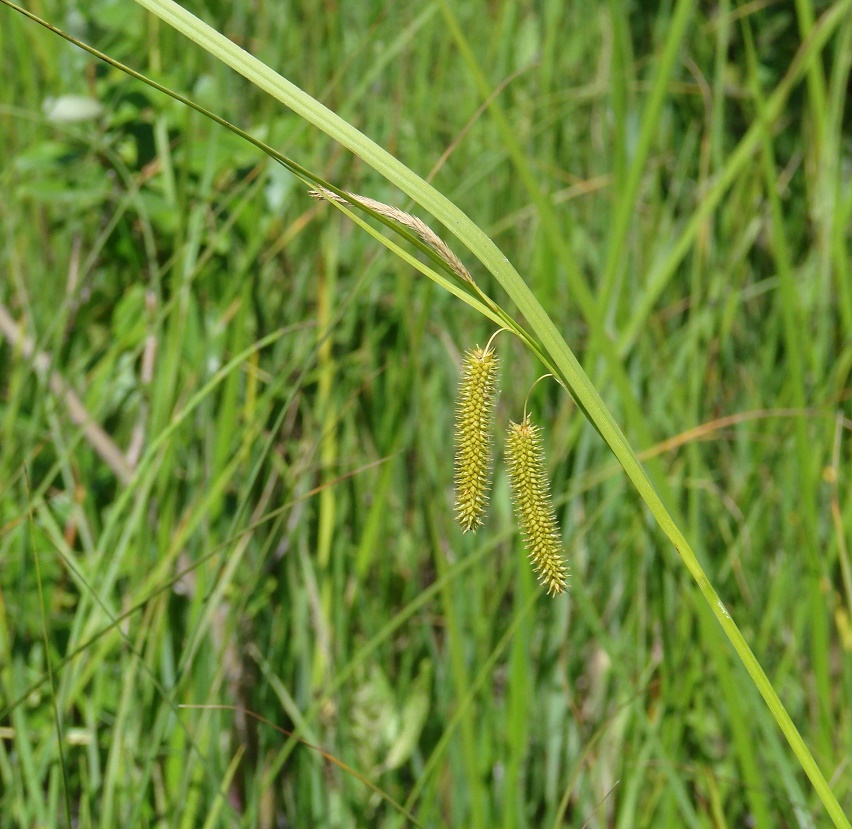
(474,422)
(534,505)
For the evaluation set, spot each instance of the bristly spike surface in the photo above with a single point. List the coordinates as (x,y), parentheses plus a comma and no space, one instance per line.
(474,425)
(534,504)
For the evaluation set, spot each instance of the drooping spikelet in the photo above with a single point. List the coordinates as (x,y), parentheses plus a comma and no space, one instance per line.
(534,505)
(474,421)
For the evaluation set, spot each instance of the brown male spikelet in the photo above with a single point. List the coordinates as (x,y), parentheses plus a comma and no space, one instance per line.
(474,419)
(534,505)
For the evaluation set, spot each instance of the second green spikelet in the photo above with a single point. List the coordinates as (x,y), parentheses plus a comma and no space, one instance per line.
(534,505)
(474,424)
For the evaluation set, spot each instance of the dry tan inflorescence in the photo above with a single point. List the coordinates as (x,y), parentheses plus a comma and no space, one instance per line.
(407,220)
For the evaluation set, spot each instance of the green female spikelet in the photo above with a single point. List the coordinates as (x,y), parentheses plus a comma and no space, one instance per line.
(474,420)
(534,505)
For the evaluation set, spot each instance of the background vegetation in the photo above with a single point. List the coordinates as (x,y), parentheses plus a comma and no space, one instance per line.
(262,516)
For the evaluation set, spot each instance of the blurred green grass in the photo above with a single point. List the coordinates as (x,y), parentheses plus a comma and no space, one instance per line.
(296,385)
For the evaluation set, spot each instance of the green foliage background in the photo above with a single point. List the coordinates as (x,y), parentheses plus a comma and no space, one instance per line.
(293,387)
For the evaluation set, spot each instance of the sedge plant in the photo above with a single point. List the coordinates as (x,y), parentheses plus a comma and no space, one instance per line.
(540,334)
(527,319)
